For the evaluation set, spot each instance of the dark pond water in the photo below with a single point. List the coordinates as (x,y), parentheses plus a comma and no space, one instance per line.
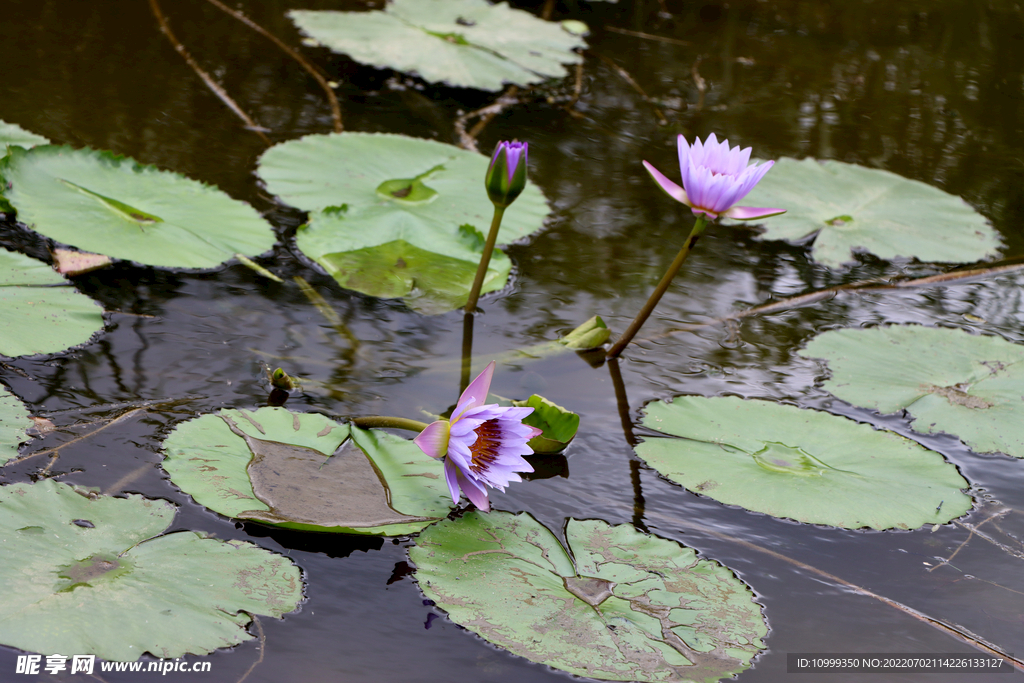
(930,90)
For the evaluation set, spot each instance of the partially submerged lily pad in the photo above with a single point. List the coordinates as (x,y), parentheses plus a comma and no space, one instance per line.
(39,317)
(852,208)
(615,604)
(112,205)
(950,381)
(394,216)
(801,464)
(558,426)
(469,43)
(89,574)
(13,134)
(14,424)
(303,471)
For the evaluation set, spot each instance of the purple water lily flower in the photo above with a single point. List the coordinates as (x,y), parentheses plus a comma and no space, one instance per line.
(482,445)
(715,178)
(506,176)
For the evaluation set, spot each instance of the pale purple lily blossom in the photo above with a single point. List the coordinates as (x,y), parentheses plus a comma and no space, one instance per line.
(715,178)
(482,445)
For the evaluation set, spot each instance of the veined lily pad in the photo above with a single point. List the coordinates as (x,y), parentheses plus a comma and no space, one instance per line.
(14,421)
(802,464)
(91,574)
(112,205)
(615,605)
(302,471)
(39,317)
(851,207)
(394,216)
(13,134)
(949,380)
(469,43)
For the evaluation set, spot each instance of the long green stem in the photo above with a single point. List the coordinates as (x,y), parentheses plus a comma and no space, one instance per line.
(383,422)
(485,259)
(662,287)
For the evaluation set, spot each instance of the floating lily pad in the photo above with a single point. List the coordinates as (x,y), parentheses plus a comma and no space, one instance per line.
(302,471)
(106,204)
(801,464)
(615,605)
(39,317)
(394,216)
(468,43)
(950,381)
(90,574)
(13,134)
(14,422)
(853,208)
(558,425)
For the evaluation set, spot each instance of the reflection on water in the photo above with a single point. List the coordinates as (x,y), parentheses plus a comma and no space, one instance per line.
(928,90)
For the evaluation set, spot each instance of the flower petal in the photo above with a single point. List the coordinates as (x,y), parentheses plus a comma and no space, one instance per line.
(674,191)
(749,213)
(434,439)
(476,393)
(451,477)
(476,493)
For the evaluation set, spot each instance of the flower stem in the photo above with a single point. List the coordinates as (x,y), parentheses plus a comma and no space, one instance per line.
(380,421)
(648,308)
(485,259)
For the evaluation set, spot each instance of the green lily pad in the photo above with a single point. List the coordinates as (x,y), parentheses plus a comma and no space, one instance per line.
(112,205)
(590,335)
(851,208)
(302,471)
(948,380)
(801,464)
(468,43)
(38,316)
(559,426)
(394,216)
(13,134)
(615,604)
(90,574)
(14,423)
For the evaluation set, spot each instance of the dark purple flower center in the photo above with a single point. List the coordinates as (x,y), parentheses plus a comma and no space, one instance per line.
(484,450)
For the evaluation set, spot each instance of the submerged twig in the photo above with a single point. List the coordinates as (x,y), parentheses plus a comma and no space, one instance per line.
(56,449)
(699,82)
(263,647)
(328,312)
(967,540)
(468,140)
(313,71)
(210,83)
(636,86)
(646,36)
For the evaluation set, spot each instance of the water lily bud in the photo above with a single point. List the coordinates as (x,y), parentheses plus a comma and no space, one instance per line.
(506,176)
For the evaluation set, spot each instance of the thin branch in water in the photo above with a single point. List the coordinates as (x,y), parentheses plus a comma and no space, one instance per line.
(328,312)
(636,86)
(972,531)
(313,71)
(263,647)
(127,479)
(56,449)
(981,534)
(549,8)
(210,83)
(468,140)
(699,82)
(646,36)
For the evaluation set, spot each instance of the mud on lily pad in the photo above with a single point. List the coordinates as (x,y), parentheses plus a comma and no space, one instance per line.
(801,464)
(949,380)
(91,574)
(305,471)
(393,216)
(853,208)
(615,604)
(468,43)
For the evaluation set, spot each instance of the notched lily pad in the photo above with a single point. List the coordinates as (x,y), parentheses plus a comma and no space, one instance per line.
(112,205)
(856,208)
(38,316)
(614,604)
(469,43)
(559,426)
(949,380)
(14,425)
(801,464)
(393,216)
(117,588)
(305,471)
(13,134)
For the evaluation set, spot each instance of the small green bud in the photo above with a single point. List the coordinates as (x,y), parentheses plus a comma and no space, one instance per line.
(506,176)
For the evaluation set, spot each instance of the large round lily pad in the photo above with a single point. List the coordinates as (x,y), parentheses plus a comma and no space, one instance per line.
(394,216)
(851,208)
(948,380)
(305,471)
(112,205)
(39,317)
(14,424)
(90,574)
(469,43)
(615,604)
(801,464)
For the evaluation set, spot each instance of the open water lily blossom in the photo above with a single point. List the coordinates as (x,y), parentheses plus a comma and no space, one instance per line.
(482,445)
(715,179)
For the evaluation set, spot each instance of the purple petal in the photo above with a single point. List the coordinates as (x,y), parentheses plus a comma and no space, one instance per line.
(476,493)
(749,213)
(534,432)
(684,153)
(674,191)
(451,477)
(515,152)
(476,393)
(434,439)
